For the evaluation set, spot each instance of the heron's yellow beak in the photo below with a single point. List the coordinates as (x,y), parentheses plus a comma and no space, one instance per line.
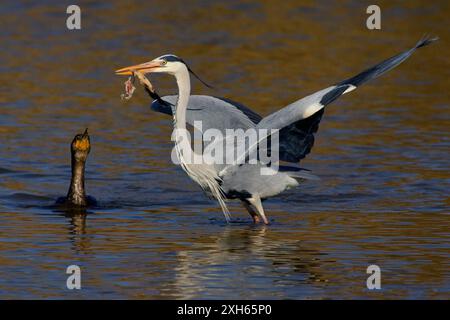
(143,68)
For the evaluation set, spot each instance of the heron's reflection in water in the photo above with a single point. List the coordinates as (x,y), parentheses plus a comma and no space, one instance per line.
(244,259)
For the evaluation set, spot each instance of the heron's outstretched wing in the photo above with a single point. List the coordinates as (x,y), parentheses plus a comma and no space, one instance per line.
(213,112)
(298,122)
(292,138)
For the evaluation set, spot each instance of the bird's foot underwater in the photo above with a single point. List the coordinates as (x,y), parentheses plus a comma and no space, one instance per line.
(258,220)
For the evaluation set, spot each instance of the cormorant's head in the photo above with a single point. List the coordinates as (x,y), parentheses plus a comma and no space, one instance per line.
(81,145)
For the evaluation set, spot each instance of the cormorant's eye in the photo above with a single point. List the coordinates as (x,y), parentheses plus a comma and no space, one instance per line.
(163,62)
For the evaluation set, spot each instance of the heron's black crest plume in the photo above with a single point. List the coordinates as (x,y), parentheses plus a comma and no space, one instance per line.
(195,75)
(172,58)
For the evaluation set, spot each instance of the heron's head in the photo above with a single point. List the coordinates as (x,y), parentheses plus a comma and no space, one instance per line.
(81,145)
(168,63)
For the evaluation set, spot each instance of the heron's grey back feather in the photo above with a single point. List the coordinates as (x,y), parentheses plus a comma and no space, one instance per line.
(295,141)
(214,113)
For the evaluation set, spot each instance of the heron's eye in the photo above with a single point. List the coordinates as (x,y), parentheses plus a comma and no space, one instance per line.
(163,62)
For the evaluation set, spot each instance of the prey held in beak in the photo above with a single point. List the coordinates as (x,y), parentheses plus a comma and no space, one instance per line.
(130,88)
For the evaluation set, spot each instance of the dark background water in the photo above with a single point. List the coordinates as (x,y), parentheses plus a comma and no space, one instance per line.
(382,152)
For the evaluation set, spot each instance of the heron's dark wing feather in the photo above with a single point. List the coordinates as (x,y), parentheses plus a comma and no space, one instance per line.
(252,115)
(387,64)
(297,139)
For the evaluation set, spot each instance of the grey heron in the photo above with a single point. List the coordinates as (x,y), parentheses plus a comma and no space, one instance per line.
(297,123)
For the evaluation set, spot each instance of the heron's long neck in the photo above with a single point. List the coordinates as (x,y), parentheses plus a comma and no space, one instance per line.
(205,175)
(184,91)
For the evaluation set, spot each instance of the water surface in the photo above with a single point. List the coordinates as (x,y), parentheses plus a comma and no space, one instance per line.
(381,152)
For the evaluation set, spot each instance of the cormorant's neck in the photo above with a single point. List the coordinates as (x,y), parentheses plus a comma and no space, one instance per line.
(77,194)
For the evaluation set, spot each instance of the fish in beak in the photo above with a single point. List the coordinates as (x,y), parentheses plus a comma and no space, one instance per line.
(129,88)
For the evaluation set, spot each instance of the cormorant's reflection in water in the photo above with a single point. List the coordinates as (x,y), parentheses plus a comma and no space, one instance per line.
(243,259)
(77,223)
(77,230)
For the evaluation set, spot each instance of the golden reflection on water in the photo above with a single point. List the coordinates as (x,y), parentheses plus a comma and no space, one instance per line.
(382,152)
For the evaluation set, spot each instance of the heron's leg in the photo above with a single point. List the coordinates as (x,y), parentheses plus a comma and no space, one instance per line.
(256,203)
(251,210)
